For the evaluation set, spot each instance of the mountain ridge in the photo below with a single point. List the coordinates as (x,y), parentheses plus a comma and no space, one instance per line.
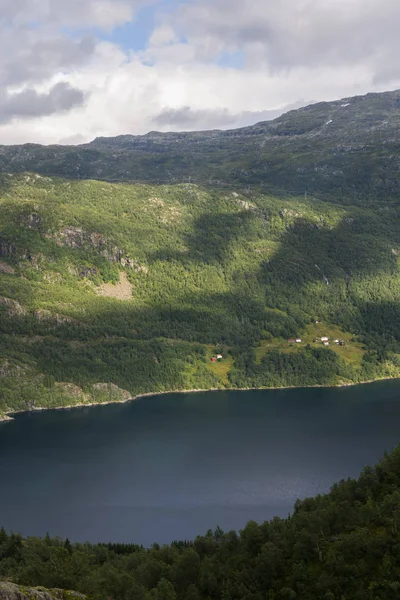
(319,148)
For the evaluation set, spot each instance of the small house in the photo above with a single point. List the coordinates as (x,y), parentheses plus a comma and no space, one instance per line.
(336,341)
(213,359)
(324,339)
(326,343)
(341,342)
(219,356)
(292,341)
(298,340)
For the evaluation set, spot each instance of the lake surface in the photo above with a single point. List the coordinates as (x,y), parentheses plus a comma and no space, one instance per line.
(171,467)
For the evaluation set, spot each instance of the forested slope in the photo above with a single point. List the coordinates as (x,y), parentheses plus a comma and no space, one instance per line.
(110,290)
(286,229)
(341,546)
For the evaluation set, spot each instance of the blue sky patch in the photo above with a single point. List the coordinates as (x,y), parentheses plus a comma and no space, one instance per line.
(233,60)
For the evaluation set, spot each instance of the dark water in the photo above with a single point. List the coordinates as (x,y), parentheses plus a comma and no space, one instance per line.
(170,467)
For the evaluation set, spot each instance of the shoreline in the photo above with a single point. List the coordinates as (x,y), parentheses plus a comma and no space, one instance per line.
(8,417)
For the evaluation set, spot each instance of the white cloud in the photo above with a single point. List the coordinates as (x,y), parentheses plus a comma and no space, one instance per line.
(106,14)
(292,50)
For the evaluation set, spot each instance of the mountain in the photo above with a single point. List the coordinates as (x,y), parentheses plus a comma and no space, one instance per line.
(342,545)
(113,289)
(343,150)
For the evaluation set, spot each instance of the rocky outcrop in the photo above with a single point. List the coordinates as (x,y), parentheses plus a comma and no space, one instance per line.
(76,237)
(31,221)
(42,314)
(7,249)
(8,369)
(14,309)
(11,591)
(109,392)
(5,268)
(73,392)
(85,272)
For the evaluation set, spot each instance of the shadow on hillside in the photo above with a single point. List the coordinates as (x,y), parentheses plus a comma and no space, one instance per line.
(315,271)
(212,239)
(309,254)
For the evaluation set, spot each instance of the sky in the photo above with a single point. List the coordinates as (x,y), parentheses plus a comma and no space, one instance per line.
(73,70)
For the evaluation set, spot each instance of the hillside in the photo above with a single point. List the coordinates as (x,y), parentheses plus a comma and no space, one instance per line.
(340,546)
(345,151)
(112,289)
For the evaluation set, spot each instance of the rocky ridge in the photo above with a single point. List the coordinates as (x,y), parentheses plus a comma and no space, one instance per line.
(321,149)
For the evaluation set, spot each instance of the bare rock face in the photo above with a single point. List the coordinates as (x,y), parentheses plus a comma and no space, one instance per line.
(109,392)
(41,314)
(74,392)
(11,591)
(32,221)
(5,268)
(14,307)
(7,249)
(76,237)
(9,369)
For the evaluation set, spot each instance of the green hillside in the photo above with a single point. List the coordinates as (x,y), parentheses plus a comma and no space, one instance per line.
(109,290)
(340,546)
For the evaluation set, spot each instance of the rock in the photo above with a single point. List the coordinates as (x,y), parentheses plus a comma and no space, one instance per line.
(7,249)
(74,392)
(76,237)
(8,369)
(32,221)
(85,272)
(5,268)
(42,314)
(109,392)
(156,201)
(62,320)
(11,591)
(14,307)
(52,278)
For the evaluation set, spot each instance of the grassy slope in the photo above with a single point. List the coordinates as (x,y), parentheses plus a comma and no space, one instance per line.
(211,270)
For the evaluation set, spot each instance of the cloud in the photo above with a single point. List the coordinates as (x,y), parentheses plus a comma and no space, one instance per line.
(186,75)
(294,33)
(29,103)
(105,14)
(43,42)
(30,59)
(191,119)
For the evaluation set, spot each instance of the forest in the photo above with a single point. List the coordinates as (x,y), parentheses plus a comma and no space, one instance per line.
(109,290)
(344,545)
